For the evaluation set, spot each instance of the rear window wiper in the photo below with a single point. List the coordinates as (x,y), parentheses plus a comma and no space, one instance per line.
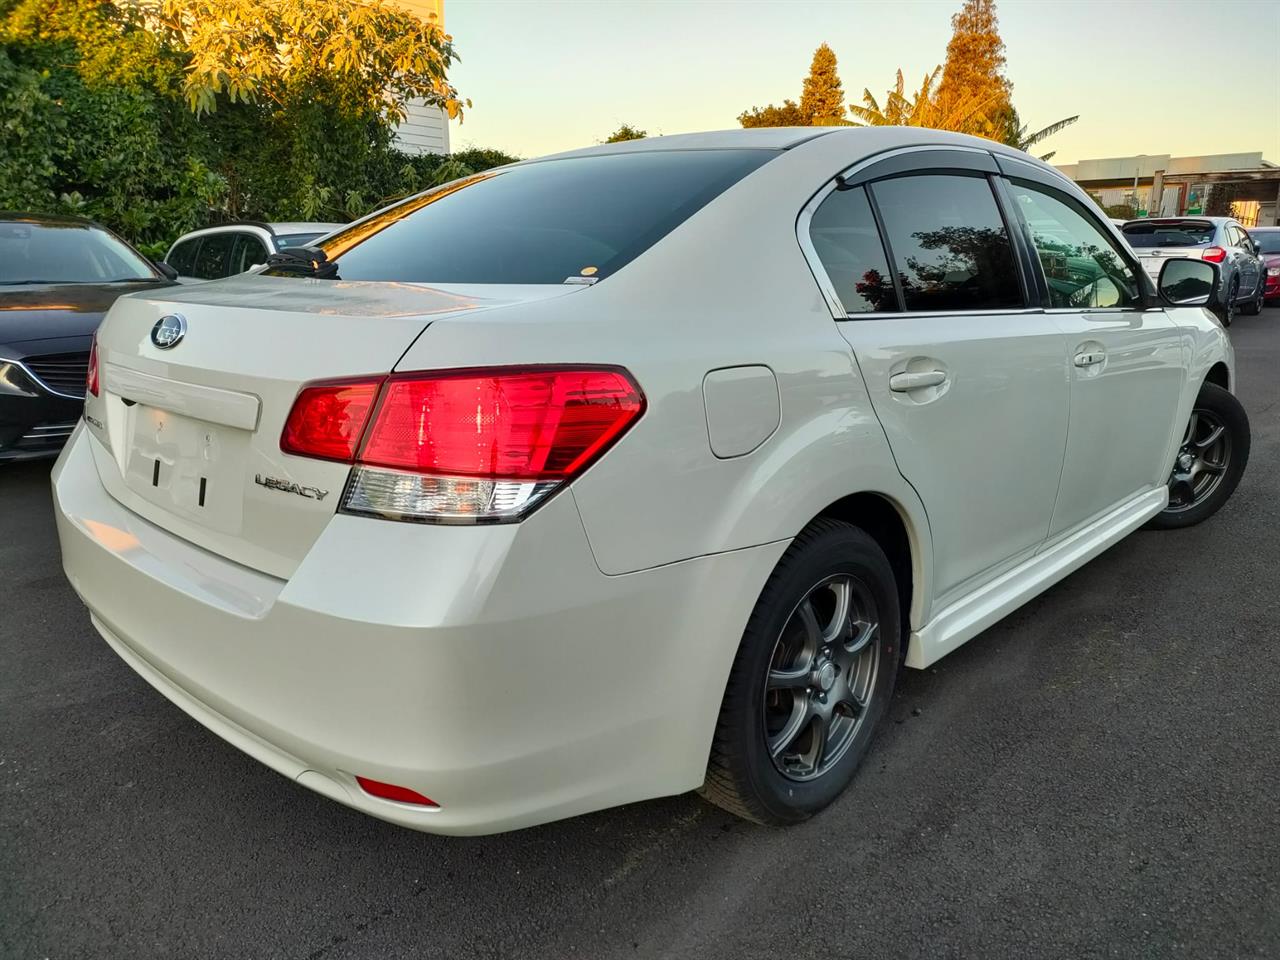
(307,261)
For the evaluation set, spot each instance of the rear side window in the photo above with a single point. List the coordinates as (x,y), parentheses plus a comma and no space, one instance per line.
(539,223)
(183,257)
(948,243)
(1183,233)
(1081,267)
(214,259)
(248,252)
(844,234)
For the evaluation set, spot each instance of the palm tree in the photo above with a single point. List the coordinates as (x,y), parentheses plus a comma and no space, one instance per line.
(922,109)
(1018,135)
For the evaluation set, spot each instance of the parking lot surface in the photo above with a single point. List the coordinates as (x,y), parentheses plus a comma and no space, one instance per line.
(1096,776)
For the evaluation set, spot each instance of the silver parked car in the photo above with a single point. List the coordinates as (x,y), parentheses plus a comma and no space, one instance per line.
(1220,240)
(232,248)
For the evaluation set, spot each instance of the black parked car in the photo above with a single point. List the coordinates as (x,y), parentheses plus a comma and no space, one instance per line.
(58,276)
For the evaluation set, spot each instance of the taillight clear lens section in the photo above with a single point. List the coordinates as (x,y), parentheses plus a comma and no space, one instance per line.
(1214,254)
(470,446)
(91,375)
(327,419)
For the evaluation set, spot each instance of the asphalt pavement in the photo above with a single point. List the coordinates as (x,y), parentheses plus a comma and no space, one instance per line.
(1096,776)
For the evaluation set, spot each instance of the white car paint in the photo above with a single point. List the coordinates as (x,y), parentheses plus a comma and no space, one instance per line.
(521,672)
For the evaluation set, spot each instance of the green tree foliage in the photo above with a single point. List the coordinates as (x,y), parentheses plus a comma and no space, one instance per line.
(974,67)
(626,132)
(97,118)
(920,109)
(787,115)
(822,98)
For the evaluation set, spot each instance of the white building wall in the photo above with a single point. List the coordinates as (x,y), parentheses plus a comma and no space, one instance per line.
(425,129)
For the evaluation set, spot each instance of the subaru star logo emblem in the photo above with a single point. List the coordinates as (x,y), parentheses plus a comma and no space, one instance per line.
(169,331)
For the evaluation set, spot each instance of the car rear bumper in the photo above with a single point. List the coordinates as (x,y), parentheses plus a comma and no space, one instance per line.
(493,669)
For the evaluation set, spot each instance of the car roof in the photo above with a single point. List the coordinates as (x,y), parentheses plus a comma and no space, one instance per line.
(11,216)
(300,226)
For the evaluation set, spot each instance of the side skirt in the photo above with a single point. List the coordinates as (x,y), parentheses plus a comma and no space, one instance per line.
(967,617)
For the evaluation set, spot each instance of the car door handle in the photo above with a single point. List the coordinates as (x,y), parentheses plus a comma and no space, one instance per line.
(1089,358)
(906,381)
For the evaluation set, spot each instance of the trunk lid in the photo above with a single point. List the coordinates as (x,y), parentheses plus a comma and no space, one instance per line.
(190,435)
(1155,241)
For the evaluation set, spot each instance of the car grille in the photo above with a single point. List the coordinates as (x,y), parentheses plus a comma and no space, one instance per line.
(45,436)
(61,372)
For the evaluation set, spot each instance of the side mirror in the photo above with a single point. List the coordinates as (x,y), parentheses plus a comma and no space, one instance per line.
(166,271)
(1189,283)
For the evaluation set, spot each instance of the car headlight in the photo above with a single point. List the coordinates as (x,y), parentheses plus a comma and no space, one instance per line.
(1273,271)
(15,381)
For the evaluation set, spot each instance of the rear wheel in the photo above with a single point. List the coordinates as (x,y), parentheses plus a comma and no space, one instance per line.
(1229,307)
(1254,306)
(813,677)
(1210,460)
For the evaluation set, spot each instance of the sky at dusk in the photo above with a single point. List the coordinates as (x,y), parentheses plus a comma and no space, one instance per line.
(1179,76)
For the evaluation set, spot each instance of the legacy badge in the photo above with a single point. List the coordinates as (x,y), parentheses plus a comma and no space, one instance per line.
(288,486)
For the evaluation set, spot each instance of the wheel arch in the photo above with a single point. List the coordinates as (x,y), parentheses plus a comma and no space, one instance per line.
(891,525)
(1219,375)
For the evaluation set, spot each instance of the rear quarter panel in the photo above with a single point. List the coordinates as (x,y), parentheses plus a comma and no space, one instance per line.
(729,287)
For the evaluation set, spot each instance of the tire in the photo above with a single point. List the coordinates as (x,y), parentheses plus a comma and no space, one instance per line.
(1213,407)
(1254,306)
(1229,305)
(743,775)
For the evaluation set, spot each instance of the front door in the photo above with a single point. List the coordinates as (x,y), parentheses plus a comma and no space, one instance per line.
(1126,363)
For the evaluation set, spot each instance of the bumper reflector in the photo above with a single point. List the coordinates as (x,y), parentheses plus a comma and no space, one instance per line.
(389,791)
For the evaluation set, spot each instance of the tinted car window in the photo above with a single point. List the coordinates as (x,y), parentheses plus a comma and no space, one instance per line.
(183,256)
(1268,240)
(844,234)
(1182,233)
(1081,266)
(295,239)
(540,223)
(214,259)
(66,252)
(248,252)
(948,242)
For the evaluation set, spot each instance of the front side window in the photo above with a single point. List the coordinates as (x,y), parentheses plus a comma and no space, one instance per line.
(541,222)
(1082,267)
(214,259)
(844,234)
(948,242)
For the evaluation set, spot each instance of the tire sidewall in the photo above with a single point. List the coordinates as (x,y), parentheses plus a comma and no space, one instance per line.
(1224,405)
(838,552)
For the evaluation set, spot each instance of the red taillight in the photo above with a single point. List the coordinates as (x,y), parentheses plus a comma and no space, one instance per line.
(1214,254)
(327,420)
(513,425)
(389,791)
(91,375)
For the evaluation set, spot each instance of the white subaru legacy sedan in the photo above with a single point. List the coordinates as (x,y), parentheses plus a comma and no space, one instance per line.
(634,470)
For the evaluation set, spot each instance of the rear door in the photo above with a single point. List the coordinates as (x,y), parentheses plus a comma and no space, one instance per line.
(1127,360)
(248,252)
(968,381)
(1246,261)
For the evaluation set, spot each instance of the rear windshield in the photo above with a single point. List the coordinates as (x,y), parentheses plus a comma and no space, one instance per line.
(66,252)
(295,239)
(1268,240)
(1182,233)
(540,223)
